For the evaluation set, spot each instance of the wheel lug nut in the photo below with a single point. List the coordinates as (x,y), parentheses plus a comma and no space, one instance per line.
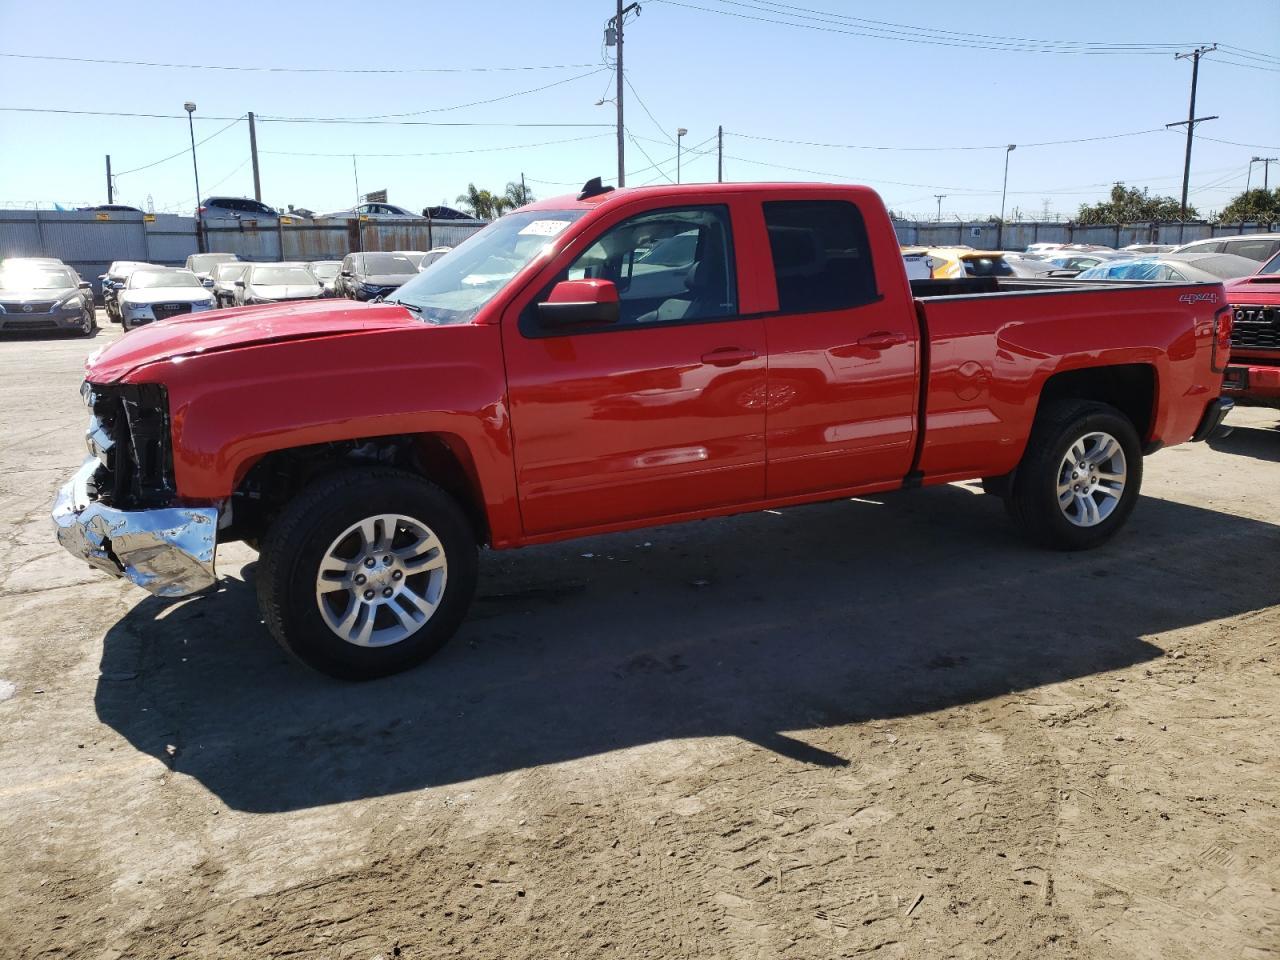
(386,561)
(369,561)
(1075,476)
(360,579)
(368,594)
(386,592)
(396,575)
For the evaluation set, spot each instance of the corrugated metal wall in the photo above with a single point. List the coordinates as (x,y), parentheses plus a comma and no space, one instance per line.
(331,239)
(1018,236)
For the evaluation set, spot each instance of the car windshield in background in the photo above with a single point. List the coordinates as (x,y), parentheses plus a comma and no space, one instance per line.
(1271,266)
(325,271)
(225,271)
(454,288)
(207,261)
(35,278)
(282,276)
(987,267)
(386,263)
(145,279)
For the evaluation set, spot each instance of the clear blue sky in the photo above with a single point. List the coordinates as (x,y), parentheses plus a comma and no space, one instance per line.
(692,68)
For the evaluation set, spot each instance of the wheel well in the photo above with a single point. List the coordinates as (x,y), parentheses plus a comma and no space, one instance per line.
(1129,387)
(279,476)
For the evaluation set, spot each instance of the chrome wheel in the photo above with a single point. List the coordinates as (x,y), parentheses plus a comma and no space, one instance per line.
(381,580)
(87,323)
(1091,479)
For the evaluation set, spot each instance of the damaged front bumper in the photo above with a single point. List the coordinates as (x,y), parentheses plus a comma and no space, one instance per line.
(168,551)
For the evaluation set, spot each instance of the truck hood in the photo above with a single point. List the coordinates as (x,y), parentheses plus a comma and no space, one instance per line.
(245,327)
(1260,288)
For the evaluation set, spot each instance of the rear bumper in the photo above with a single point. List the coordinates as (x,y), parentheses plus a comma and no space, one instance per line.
(169,551)
(1211,422)
(1252,384)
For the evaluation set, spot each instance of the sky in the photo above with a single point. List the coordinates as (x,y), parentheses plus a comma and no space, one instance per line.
(801,89)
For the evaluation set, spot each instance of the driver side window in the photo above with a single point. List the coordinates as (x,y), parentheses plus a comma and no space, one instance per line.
(670,266)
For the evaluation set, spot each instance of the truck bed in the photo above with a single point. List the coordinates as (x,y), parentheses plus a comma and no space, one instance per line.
(981,286)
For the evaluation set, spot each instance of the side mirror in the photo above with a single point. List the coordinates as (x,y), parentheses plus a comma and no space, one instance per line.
(574,302)
(240,284)
(85,285)
(346,273)
(207,281)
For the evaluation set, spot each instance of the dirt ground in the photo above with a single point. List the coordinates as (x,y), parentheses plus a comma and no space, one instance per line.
(881,727)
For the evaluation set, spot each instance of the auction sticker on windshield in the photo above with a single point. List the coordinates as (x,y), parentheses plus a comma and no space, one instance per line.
(543,228)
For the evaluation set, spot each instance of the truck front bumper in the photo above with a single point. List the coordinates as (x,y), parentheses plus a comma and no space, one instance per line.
(168,551)
(1253,384)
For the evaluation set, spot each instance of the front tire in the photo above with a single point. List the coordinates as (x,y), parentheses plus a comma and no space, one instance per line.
(367,573)
(88,324)
(1080,477)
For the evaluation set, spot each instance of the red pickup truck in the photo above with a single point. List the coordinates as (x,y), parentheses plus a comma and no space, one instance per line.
(607,361)
(1253,376)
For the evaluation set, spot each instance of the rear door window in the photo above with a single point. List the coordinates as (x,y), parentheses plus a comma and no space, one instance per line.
(821,256)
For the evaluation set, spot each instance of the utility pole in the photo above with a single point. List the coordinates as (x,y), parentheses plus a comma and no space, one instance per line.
(940,197)
(1003,192)
(720,154)
(1265,161)
(111,194)
(613,38)
(253,152)
(1192,119)
(524,191)
(190,107)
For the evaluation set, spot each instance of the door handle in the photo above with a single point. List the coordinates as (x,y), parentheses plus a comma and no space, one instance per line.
(882,340)
(728,356)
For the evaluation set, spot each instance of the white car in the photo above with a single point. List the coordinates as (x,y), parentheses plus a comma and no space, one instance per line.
(1256,246)
(374,211)
(158,293)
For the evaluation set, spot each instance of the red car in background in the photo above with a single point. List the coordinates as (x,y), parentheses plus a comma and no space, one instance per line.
(1253,376)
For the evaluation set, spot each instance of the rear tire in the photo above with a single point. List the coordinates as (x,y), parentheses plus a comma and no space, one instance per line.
(367,572)
(1079,478)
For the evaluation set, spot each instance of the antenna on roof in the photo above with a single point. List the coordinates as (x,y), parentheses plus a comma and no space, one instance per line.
(593,188)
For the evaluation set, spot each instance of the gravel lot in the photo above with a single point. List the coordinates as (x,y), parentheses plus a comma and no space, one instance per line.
(875,727)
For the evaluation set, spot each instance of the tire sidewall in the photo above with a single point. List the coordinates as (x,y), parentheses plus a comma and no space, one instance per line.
(1045,493)
(308,636)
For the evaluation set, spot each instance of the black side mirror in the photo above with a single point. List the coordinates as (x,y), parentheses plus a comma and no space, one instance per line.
(85,285)
(240,284)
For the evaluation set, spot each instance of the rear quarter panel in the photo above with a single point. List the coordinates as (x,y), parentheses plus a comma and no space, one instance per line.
(991,355)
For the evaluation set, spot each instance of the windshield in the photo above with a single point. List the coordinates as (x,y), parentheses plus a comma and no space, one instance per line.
(20,277)
(145,279)
(384,263)
(325,271)
(280,276)
(413,256)
(454,288)
(986,267)
(203,262)
(229,271)
(1271,266)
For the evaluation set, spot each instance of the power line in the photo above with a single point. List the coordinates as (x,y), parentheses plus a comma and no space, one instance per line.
(252,69)
(828,25)
(1002,146)
(647,111)
(404,123)
(346,155)
(181,153)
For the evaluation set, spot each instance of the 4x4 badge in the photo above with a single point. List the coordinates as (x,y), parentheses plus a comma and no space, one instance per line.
(1198,298)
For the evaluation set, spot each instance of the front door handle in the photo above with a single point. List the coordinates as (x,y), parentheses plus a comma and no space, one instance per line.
(882,340)
(728,356)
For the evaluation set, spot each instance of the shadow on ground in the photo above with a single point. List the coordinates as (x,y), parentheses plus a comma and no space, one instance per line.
(1261,443)
(751,626)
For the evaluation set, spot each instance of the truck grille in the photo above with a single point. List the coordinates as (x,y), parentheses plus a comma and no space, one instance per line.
(129,436)
(1256,327)
(164,311)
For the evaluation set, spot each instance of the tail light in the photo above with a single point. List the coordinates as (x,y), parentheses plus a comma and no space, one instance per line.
(1223,322)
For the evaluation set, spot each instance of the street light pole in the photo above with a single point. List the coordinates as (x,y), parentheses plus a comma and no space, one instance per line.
(680,132)
(1003,192)
(940,197)
(191,128)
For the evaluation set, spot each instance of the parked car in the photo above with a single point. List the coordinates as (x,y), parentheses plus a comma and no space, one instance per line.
(224,277)
(9,263)
(114,280)
(276,282)
(446,213)
(1066,265)
(110,208)
(525,390)
(1256,246)
(326,271)
(202,264)
(413,256)
(1253,375)
(234,208)
(949,263)
(1146,248)
(374,211)
(432,255)
(161,293)
(365,276)
(1192,267)
(44,297)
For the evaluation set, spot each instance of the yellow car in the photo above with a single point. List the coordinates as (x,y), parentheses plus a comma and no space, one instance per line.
(950,263)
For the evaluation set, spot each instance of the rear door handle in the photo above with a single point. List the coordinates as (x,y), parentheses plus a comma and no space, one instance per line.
(728,356)
(882,340)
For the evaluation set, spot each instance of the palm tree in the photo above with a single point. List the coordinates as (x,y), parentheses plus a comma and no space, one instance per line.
(517,195)
(479,203)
